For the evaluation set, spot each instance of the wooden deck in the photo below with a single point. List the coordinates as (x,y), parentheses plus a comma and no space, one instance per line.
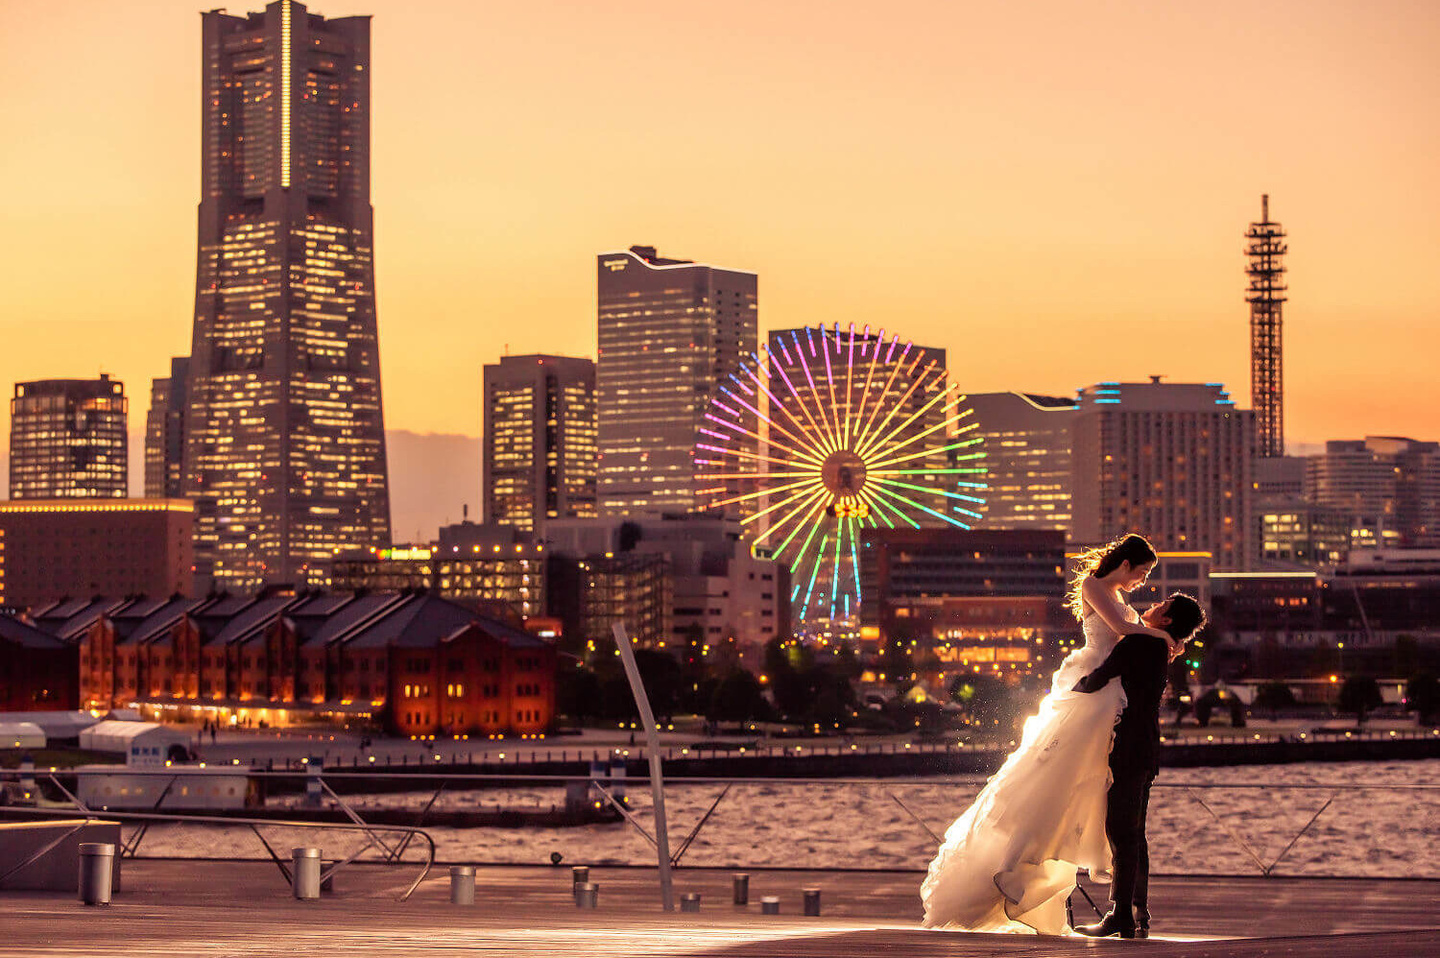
(175,909)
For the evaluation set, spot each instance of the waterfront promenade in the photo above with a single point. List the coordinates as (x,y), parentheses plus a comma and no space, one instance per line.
(199,908)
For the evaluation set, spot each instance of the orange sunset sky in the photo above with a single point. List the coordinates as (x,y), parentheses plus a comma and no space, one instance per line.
(1054,191)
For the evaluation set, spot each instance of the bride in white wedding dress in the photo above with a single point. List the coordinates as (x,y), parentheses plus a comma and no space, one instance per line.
(1008,863)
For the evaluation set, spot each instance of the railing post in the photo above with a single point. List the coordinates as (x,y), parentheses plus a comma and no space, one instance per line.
(97,863)
(305,873)
(462,884)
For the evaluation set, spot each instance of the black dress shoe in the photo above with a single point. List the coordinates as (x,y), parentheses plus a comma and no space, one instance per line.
(1142,922)
(1111,926)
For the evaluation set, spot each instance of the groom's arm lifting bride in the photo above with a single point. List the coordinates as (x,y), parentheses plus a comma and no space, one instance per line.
(1139,661)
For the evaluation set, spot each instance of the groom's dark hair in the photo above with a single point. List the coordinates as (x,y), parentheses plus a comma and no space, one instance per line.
(1186,616)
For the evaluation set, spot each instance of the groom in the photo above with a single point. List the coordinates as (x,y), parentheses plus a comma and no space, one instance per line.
(1139,660)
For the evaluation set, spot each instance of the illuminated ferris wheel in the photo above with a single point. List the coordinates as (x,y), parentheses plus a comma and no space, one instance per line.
(830,432)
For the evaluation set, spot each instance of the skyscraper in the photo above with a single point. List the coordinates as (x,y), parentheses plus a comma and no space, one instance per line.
(1266,251)
(1171,461)
(539,459)
(165,432)
(284,437)
(669,331)
(1027,457)
(68,439)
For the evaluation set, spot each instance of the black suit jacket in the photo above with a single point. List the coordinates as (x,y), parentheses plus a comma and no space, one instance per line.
(1139,661)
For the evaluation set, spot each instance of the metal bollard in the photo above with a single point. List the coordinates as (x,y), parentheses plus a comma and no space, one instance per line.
(812,902)
(462,884)
(97,861)
(305,873)
(690,901)
(769,905)
(579,875)
(587,895)
(742,888)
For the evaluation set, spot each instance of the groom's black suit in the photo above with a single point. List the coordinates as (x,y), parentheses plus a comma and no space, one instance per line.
(1139,661)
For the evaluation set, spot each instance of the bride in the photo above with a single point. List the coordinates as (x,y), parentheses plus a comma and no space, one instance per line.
(1008,863)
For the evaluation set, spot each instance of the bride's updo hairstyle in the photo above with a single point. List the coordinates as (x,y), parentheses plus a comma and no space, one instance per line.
(1103,560)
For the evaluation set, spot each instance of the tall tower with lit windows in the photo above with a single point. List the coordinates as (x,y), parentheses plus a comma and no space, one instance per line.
(284,436)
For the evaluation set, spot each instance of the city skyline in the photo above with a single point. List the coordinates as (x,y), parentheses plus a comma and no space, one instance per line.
(1021,221)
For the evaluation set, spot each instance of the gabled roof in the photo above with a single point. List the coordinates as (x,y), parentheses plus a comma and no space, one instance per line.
(324,604)
(138,608)
(71,619)
(215,616)
(424,621)
(350,618)
(26,636)
(253,619)
(161,620)
(133,616)
(421,622)
(511,636)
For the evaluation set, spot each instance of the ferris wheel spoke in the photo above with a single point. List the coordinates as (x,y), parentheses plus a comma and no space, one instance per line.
(951,447)
(745,453)
(877,440)
(810,521)
(849,380)
(776,403)
(822,433)
(923,508)
(770,441)
(931,430)
(815,571)
(813,501)
(930,490)
(896,407)
(855,562)
(865,431)
(833,427)
(879,511)
(758,493)
(775,427)
(865,392)
(807,491)
(835,566)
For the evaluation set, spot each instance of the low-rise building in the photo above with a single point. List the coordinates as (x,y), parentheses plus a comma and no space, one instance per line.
(988,601)
(511,575)
(38,672)
(667,578)
(62,548)
(412,662)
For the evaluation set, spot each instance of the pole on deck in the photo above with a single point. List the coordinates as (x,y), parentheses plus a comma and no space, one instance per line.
(652,740)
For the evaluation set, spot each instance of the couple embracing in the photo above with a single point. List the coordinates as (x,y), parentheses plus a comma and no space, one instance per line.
(1074,793)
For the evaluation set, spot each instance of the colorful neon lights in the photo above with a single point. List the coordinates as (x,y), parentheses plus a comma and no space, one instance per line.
(826,432)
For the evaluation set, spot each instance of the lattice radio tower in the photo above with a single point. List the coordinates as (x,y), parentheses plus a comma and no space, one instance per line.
(1266,249)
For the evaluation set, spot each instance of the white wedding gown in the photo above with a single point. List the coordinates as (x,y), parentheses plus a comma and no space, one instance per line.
(1008,863)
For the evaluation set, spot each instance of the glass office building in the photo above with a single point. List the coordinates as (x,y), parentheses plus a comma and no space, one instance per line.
(68,439)
(165,433)
(539,459)
(669,331)
(284,436)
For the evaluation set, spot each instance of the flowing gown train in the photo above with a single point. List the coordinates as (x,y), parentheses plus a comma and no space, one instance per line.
(1008,863)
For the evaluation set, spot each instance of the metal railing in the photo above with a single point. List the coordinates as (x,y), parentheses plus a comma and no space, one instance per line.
(443,753)
(375,836)
(1197,826)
